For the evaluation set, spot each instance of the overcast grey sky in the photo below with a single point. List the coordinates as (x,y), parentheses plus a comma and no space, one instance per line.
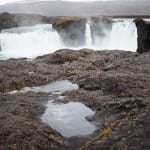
(78,8)
(2,2)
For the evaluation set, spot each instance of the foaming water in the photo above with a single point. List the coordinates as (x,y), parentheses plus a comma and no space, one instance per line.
(69,119)
(88,35)
(123,36)
(38,40)
(29,41)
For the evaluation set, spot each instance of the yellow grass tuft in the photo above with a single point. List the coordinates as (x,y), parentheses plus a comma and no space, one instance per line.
(65,20)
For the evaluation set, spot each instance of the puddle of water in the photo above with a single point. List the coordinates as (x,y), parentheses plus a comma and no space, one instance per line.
(69,119)
(56,87)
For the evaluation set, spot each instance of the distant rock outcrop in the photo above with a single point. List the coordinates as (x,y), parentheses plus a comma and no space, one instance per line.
(71,30)
(15,20)
(7,21)
(143,30)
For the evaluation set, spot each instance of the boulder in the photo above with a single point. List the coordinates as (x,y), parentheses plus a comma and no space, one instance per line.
(143,30)
(71,30)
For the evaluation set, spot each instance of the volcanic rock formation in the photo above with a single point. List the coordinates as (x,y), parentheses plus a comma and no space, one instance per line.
(143,29)
(116,84)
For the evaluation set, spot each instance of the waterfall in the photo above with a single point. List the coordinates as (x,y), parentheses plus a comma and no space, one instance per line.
(123,36)
(88,35)
(29,41)
(43,39)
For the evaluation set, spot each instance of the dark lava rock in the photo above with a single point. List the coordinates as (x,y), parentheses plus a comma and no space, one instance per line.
(143,29)
(71,30)
(61,57)
(7,21)
(116,84)
(20,125)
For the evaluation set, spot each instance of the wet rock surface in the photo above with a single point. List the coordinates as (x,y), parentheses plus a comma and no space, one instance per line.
(115,84)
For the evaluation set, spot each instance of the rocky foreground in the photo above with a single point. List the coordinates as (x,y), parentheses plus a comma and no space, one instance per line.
(116,84)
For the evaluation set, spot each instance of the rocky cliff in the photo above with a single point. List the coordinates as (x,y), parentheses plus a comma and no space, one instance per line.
(71,30)
(143,30)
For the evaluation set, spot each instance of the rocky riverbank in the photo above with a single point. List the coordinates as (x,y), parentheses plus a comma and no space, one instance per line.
(116,84)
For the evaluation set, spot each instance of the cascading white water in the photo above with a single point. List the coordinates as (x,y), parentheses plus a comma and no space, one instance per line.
(29,41)
(88,35)
(42,39)
(123,36)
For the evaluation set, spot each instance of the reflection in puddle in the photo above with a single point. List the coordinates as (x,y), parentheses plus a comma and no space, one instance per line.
(56,87)
(69,119)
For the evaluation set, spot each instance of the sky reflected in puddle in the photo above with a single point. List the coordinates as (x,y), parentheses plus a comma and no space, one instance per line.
(56,87)
(69,119)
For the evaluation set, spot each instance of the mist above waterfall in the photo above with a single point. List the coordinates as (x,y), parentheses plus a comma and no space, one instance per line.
(42,39)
